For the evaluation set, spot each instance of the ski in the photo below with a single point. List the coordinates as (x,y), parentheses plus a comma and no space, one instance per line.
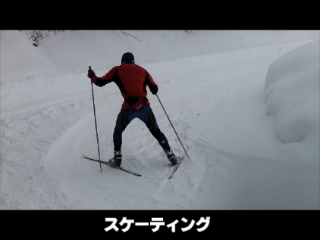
(113,166)
(175,168)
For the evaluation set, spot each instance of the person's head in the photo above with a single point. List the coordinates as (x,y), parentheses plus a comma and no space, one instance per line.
(127,58)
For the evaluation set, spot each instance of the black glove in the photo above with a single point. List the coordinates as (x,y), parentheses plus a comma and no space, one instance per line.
(91,73)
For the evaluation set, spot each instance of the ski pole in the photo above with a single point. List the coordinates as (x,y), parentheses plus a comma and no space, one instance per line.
(172,126)
(94,111)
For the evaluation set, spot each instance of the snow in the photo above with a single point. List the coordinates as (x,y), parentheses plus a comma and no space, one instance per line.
(212,85)
(19,58)
(292,97)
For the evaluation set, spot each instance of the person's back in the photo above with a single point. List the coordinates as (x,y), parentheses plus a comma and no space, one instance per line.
(132,80)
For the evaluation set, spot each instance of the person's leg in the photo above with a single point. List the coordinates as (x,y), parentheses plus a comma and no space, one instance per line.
(147,116)
(123,120)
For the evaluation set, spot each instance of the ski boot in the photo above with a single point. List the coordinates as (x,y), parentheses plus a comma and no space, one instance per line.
(117,159)
(172,157)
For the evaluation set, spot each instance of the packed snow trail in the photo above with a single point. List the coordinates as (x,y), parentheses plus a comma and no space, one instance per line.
(42,142)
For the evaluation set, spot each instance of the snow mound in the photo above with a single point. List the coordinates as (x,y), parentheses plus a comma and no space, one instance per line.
(292,96)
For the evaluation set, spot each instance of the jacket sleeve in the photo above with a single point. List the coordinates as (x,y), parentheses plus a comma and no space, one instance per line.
(151,84)
(107,78)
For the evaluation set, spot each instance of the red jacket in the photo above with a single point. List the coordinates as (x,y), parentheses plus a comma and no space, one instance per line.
(131,80)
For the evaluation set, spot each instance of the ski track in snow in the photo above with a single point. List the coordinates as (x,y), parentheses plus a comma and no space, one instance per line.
(53,174)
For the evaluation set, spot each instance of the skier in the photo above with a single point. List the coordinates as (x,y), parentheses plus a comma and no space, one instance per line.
(132,80)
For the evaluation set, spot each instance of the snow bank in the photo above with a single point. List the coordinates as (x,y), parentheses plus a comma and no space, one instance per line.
(71,51)
(103,49)
(292,96)
(19,58)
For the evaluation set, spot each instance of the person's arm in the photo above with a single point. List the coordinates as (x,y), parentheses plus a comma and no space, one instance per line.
(107,78)
(151,84)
